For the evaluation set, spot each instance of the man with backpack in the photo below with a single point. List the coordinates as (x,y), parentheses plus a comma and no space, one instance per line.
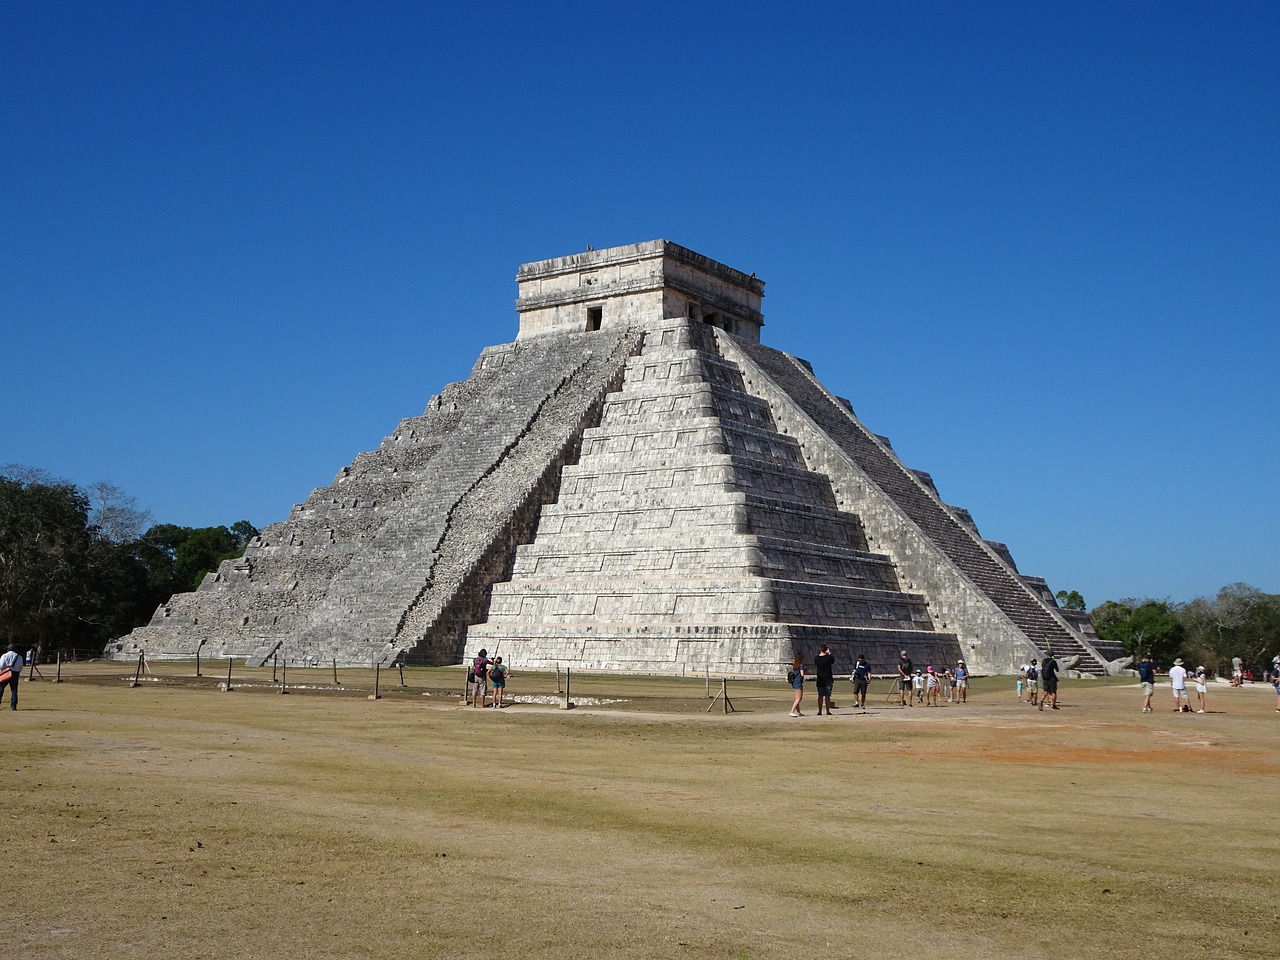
(861,678)
(480,679)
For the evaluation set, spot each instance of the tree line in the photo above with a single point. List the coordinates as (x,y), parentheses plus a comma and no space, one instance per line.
(1240,621)
(80,566)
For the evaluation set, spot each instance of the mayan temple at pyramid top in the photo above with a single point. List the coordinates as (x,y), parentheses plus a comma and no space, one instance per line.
(634,285)
(634,483)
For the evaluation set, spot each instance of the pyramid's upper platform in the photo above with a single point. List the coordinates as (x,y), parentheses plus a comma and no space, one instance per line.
(635,284)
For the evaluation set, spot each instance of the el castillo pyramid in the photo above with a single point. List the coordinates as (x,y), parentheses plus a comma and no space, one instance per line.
(636,483)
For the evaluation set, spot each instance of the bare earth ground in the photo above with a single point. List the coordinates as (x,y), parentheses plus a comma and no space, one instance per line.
(178,820)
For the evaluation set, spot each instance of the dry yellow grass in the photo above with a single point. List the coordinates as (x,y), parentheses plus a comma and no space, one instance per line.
(178,820)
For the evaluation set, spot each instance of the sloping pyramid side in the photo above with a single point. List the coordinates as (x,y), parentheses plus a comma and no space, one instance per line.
(690,534)
(394,554)
(1001,620)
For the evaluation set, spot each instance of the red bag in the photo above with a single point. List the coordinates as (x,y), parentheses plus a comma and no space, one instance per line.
(5,675)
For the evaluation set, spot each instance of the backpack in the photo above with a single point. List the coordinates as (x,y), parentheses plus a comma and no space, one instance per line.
(791,675)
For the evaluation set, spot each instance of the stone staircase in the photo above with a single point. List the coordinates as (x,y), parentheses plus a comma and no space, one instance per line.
(919,501)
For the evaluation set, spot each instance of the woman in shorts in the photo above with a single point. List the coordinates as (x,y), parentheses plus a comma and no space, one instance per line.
(498,674)
(1202,688)
(962,682)
(796,676)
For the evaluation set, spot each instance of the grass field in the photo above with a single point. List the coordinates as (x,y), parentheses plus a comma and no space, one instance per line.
(178,820)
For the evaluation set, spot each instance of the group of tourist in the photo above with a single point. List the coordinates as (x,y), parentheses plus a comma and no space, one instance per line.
(1039,682)
(914,686)
(1180,677)
(480,674)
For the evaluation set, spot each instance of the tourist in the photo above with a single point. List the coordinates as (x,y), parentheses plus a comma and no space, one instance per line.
(1202,688)
(904,680)
(498,673)
(1147,678)
(824,665)
(962,682)
(1049,681)
(1237,672)
(1031,676)
(948,683)
(931,685)
(1178,680)
(11,660)
(917,685)
(1274,678)
(795,677)
(480,679)
(861,678)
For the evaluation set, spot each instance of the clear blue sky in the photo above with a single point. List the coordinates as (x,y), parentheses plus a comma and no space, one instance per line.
(1036,245)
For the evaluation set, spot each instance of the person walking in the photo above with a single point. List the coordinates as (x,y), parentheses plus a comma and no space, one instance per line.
(795,677)
(962,682)
(824,665)
(904,680)
(1049,681)
(1237,672)
(861,678)
(1032,677)
(1178,681)
(931,685)
(11,660)
(1274,677)
(1147,678)
(498,673)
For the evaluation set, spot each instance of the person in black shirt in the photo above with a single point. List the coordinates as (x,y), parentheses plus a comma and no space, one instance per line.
(824,666)
(1049,681)
(1147,677)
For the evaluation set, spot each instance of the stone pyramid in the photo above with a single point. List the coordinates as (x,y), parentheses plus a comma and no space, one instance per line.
(635,483)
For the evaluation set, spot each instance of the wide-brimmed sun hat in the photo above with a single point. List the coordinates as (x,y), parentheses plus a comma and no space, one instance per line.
(1178,662)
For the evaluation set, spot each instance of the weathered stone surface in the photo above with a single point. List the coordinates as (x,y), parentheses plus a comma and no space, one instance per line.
(635,484)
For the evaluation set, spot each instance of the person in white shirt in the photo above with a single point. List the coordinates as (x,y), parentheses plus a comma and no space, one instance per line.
(11,661)
(1178,680)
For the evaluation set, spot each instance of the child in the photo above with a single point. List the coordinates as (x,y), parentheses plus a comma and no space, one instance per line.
(917,686)
(1202,687)
(931,685)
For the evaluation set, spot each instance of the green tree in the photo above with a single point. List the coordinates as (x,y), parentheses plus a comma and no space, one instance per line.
(176,559)
(1070,601)
(75,568)
(1142,626)
(1240,621)
(44,561)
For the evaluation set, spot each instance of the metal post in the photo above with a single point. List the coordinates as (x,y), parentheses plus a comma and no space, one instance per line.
(377,672)
(401,665)
(137,676)
(275,659)
(335,672)
(197,661)
(58,677)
